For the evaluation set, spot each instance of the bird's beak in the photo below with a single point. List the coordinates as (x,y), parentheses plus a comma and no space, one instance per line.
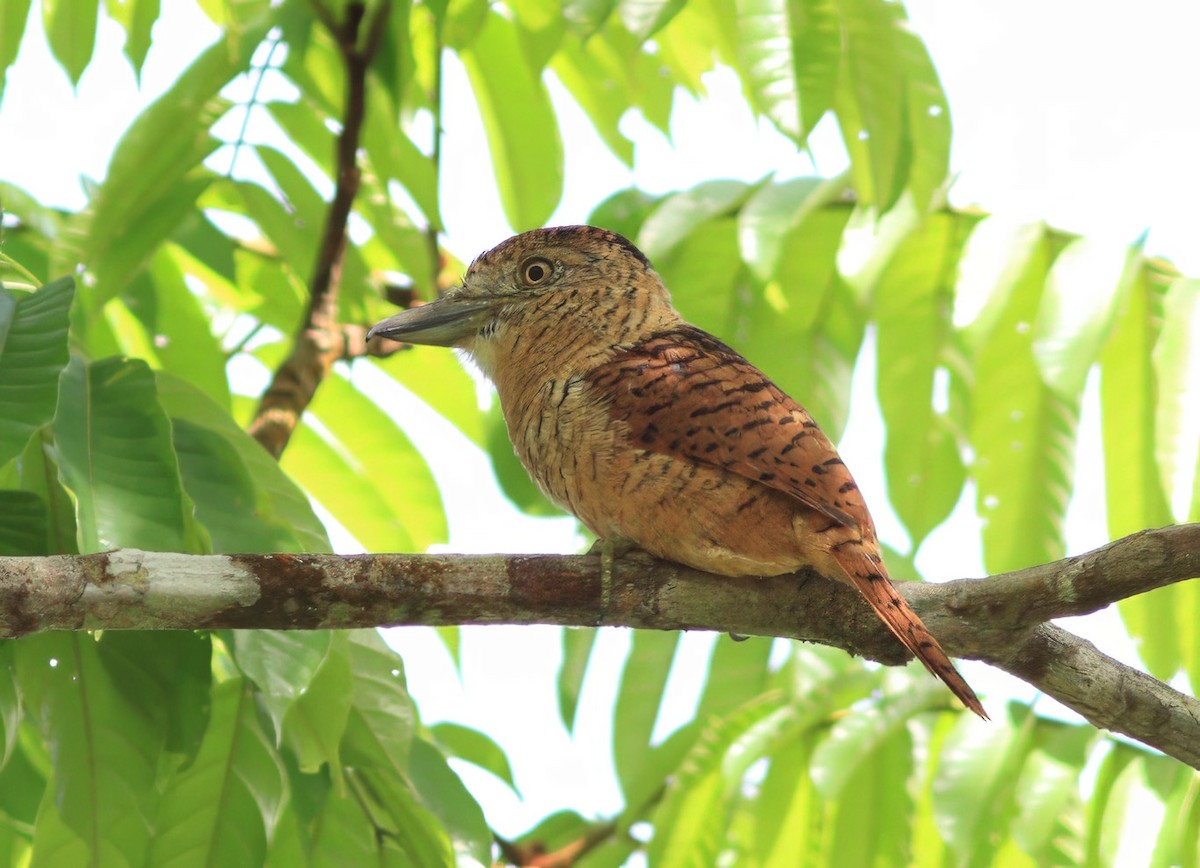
(446,322)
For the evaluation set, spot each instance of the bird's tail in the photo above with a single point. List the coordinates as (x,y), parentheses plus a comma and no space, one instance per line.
(871,581)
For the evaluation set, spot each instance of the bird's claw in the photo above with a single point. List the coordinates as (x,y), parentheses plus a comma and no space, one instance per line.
(609,549)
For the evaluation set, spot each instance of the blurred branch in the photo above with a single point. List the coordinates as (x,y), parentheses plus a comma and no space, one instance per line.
(975,618)
(535,855)
(319,342)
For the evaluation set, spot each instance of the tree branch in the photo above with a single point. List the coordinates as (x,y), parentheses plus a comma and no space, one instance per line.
(319,342)
(999,620)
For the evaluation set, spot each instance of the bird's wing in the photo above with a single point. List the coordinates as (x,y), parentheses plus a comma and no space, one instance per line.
(682,392)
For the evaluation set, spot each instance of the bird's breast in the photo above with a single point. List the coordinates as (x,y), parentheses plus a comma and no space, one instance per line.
(562,433)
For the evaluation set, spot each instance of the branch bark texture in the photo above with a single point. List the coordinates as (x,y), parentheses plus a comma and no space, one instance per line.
(1000,620)
(320,342)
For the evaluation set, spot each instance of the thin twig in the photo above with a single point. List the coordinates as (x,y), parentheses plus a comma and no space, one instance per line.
(318,341)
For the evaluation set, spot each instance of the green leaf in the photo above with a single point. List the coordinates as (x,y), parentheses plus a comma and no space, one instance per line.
(11,709)
(790,80)
(24,525)
(691,822)
(624,212)
(702,33)
(13,16)
(280,511)
(182,330)
(890,105)
(285,666)
(773,211)
(705,276)
(1023,434)
(313,60)
(877,798)
(304,237)
(314,723)
(137,17)
(1177,839)
(378,743)
(520,123)
(103,748)
(1175,355)
(221,810)
(439,379)
(1106,808)
(975,788)
(464,18)
(1051,807)
(394,63)
(642,683)
(1135,494)
(226,498)
(475,747)
(577,644)
(114,448)
(451,638)
(929,126)
(143,197)
(1162,620)
(204,251)
(737,672)
(36,471)
(857,740)
(168,673)
(395,157)
(54,843)
(585,69)
(1131,410)
(680,215)
(644,18)
(71,31)
(397,244)
(913,306)
(339,832)
(585,17)
(788,807)
(322,468)
(304,123)
(805,328)
(1086,284)
(394,504)
(382,715)
(33,353)
(442,793)
(24,778)
(399,810)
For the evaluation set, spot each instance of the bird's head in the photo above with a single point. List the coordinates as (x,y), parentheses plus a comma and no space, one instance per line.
(579,275)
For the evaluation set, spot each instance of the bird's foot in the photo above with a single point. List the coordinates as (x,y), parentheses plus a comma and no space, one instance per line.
(609,549)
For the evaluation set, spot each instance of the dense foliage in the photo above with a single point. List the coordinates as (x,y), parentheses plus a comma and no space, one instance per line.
(121,426)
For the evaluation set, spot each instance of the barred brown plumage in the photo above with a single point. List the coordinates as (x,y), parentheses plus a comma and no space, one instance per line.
(651,430)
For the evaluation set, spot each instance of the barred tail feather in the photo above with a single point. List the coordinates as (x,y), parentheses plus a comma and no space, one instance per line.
(894,611)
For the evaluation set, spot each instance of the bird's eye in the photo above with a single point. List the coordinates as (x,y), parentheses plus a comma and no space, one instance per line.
(535,271)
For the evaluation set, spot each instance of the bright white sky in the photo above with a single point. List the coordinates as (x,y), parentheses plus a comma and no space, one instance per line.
(1083,115)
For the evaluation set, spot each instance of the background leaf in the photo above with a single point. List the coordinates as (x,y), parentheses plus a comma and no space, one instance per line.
(114,445)
(102,746)
(33,352)
(71,32)
(512,98)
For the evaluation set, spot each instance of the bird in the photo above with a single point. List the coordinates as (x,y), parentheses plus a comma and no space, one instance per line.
(653,432)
